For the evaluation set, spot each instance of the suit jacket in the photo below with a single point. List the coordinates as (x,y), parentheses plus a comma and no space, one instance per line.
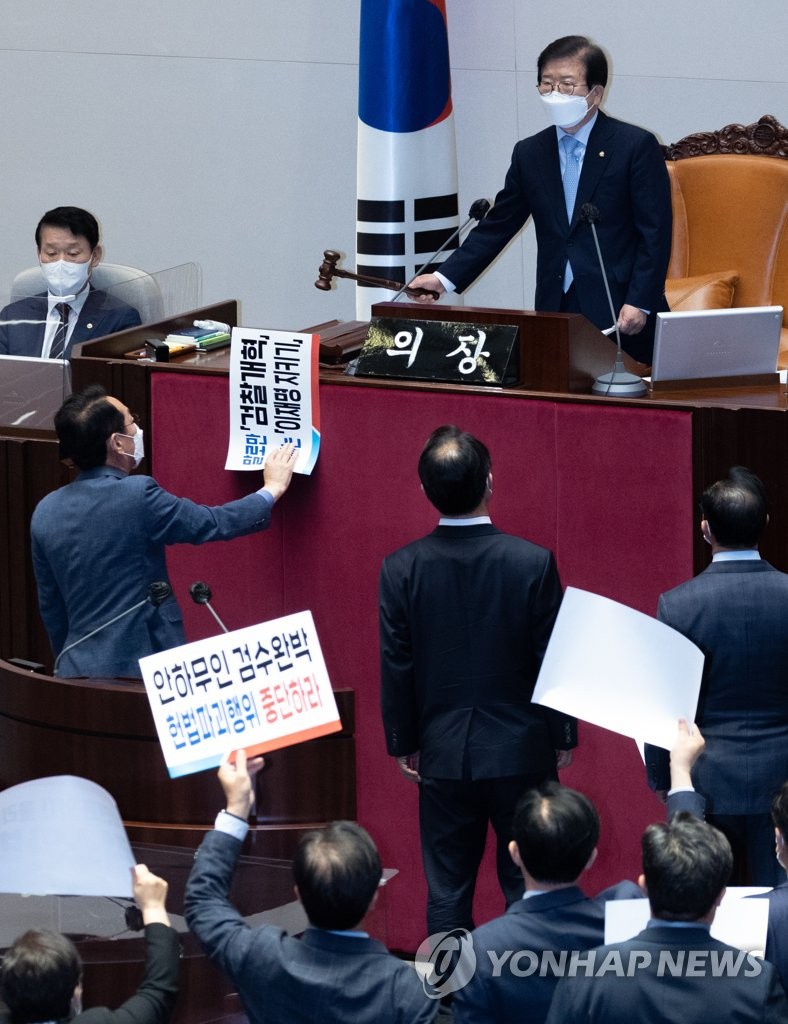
(553,921)
(98,543)
(154,1000)
(465,617)
(102,314)
(777,931)
(747,989)
(737,613)
(284,980)
(625,177)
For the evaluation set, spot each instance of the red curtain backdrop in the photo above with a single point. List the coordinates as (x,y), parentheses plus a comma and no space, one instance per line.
(607,488)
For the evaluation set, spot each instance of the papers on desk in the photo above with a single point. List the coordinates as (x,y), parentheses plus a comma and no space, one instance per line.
(615,667)
(63,836)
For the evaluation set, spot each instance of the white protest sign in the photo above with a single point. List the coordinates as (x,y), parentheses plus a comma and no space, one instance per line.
(739,921)
(615,667)
(63,835)
(274,397)
(260,688)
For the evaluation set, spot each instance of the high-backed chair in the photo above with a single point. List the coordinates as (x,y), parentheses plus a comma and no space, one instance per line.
(730,219)
(129,284)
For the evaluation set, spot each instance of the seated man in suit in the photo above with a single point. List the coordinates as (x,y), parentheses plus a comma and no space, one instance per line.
(71,310)
(555,833)
(41,975)
(674,970)
(334,972)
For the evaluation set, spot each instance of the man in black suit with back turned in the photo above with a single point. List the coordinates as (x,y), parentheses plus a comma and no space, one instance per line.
(736,611)
(583,157)
(465,617)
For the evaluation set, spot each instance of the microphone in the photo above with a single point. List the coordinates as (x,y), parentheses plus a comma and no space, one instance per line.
(478,211)
(201,593)
(157,592)
(619,382)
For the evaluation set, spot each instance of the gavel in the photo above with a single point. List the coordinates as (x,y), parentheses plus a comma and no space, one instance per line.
(328,269)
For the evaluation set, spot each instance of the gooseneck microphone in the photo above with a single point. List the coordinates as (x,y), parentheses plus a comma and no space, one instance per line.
(157,592)
(478,211)
(620,382)
(201,593)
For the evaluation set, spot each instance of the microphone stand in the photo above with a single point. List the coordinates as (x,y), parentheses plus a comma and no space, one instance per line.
(619,382)
(201,593)
(478,212)
(157,592)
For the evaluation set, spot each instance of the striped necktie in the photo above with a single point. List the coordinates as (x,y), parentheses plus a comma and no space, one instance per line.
(57,351)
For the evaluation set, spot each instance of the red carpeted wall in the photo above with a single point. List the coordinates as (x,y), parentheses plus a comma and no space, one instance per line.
(608,488)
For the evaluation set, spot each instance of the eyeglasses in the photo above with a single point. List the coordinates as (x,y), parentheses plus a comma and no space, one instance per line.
(564,88)
(133,418)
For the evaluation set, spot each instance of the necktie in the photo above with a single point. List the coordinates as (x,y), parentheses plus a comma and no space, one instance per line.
(59,341)
(572,150)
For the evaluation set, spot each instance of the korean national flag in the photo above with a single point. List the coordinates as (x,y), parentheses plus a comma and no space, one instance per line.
(407,161)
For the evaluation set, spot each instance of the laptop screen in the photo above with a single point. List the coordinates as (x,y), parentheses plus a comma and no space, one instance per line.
(716,343)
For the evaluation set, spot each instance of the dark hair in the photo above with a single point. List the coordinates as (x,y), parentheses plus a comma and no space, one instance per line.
(735,508)
(687,864)
(79,222)
(556,830)
(593,58)
(453,469)
(780,810)
(83,424)
(38,977)
(337,870)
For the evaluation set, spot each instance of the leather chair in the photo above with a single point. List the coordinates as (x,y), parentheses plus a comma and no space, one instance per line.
(730,220)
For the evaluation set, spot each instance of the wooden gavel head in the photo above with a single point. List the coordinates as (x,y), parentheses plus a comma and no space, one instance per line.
(327,269)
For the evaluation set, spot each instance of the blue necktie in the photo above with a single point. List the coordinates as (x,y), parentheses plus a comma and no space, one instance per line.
(572,151)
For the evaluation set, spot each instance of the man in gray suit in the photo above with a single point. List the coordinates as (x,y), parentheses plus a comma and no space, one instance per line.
(736,611)
(465,617)
(99,542)
(334,973)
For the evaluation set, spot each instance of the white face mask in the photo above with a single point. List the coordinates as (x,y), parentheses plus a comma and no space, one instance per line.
(65,278)
(565,111)
(139,447)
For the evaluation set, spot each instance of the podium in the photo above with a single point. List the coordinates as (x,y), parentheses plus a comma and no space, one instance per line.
(558,352)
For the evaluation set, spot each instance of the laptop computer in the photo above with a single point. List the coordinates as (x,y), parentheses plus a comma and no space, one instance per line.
(716,343)
(32,390)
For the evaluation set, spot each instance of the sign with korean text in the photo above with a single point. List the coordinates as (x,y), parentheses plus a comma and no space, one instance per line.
(274,397)
(439,350)
(260,688)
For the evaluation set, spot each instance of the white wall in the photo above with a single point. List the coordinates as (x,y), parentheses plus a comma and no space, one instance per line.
(225,133)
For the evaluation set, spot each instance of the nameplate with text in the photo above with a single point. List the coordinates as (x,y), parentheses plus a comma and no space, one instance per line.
(437,350)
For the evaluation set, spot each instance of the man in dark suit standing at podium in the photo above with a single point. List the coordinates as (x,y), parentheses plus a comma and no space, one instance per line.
(584,157)
(71,310)
(736,611)
(465,617)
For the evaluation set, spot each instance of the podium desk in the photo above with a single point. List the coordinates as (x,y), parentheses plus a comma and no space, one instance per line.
(610,485)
